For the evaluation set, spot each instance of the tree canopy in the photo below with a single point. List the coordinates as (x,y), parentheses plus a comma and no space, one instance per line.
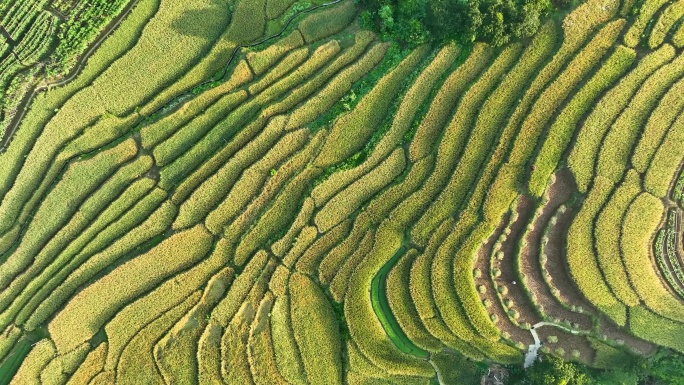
(415,22)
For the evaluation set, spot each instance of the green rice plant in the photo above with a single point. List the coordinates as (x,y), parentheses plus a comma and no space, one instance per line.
(406,112)
(364,327)
(90,367)
(60,368)
(420,288)
(282,176)
(165,50)
(678,37)
(638,28)
(555,93)
(310,260)
(462,300)
(261,61)
(665,23)
(140,223)
(336,255)
(316,331)
(584,153)
(305,238)
(260,346)
(390,198)
(213,190)
(657,126)
(353,130)
(351,198)
(46,105)
(338,285)
(618,144)
(248,22)
(642,221)
(496,192)
(441,107)
(134,367)
(278,216)
(307,79)
(209,354)
(131,319)
(337,87)
(607,239)
(284,244)
(564,126)
(287,355)
(582,264)
(61,204)
(153,134)
(230,304)
(259,178)
(275,8)
(657,329)
(40,355)
(85,313)
(98,211)
(201,162)
(327,22)
(467,155)
(465,287)
(176,352)
(235,360)
(290,62)
(192,131)
(211,145)
(665,164)
(399,298)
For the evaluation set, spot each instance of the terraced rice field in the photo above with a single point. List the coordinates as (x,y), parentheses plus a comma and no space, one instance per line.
(275,196)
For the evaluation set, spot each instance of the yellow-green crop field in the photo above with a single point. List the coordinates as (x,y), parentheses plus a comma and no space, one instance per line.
(266,192)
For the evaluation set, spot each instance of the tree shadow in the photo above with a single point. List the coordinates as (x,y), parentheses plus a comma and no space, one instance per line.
(193,23)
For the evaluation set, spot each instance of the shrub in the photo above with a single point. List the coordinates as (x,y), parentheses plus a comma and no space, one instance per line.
(552,339)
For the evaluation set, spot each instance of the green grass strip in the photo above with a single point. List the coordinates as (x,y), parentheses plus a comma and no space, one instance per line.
(384,313)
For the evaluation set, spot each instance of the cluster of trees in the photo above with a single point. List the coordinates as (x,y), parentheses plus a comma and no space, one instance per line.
(414,22)
(663,368)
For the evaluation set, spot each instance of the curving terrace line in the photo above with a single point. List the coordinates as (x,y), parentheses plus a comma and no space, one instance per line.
(23,107)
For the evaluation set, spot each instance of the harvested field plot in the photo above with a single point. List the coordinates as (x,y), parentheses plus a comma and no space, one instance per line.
(282,192)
